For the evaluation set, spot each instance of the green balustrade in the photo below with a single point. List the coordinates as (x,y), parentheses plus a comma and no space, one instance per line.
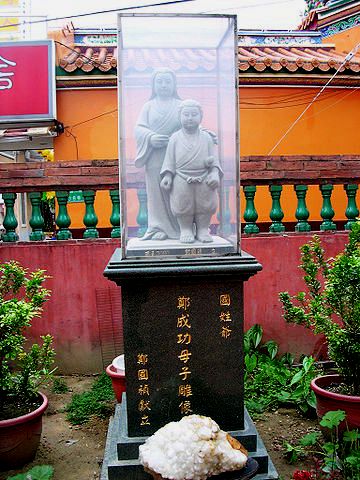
(226,216)
(276,213)
(115,214)
(63,220)
(301,213)
(351,212)
(10,223)
(327,212)
(142,217)
(224,213)
(250,213)
(90,219)
(37,222)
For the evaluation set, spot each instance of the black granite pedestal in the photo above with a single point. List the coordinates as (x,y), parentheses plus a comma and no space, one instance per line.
(121,451)
(183,345)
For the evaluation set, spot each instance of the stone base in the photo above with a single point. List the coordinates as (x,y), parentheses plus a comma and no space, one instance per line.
(164,248)
(121,452)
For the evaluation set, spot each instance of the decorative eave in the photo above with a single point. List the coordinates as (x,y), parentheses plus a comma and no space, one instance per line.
(333,18)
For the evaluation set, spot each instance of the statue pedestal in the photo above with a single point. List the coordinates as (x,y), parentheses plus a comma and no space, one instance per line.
(183,342)
(137,247)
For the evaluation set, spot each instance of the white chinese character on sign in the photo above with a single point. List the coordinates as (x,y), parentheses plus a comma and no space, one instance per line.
(5,81)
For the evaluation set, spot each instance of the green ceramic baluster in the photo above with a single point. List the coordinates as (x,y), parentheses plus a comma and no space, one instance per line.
(10,223)
(115,214)
(226,217)
(327,211)
(90,219)
(250,213)
(37,222)
(142,217)
(63,220)
(276,213)
(351,210)
(302,213)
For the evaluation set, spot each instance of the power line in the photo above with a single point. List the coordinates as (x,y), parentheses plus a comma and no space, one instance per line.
(287,103)
(254,5)
(347,58)
(335,103)
(98,12)
(82,55)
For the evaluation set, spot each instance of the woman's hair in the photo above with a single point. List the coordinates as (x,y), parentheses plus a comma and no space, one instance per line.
(164,70)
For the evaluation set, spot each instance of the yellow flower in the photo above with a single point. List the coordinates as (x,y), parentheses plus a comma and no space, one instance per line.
(47,154)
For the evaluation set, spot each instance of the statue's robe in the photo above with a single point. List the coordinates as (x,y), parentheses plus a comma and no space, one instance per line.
(187,159)
(153,120)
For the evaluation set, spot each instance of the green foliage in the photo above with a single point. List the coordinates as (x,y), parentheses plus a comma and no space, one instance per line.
(22,367)
(340,455)
(40,472)
(331,305)
(96,402)
(59,385)
(270,380)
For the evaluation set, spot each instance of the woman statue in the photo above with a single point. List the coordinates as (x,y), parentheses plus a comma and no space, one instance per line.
(158,120)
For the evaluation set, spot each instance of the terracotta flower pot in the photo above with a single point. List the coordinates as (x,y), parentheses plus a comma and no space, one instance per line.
(118,382)
(327,401)
(20,437)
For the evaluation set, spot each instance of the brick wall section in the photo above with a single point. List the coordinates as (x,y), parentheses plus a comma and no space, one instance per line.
(261,170)
(103,174)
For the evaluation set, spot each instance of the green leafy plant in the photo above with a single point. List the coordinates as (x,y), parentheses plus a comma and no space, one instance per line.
(59,386)
(272,380)
(337,458)
(331,305)
(23,367)
(96,402)
(40,472)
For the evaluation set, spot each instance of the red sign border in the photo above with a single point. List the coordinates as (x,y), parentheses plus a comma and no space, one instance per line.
(51,115)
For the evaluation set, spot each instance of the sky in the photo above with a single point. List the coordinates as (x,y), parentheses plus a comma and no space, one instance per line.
(252,14)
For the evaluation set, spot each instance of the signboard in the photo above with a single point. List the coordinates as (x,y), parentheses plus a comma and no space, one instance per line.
(27,81)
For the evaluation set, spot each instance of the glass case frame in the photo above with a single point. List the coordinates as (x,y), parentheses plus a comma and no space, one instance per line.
(211,47)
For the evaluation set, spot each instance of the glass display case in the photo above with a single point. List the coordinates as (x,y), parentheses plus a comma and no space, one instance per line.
(178,115)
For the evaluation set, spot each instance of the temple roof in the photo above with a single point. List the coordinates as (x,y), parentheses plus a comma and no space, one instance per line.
(274,58)
(259,53)
(332,17)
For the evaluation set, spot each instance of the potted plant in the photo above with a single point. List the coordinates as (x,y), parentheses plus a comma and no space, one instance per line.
(331,306)
(23,367)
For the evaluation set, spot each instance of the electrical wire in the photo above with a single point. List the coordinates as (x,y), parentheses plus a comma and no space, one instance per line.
(98,12)
(81,55)
(92,118)
(291,102)
(286,99)
(240,7)
(68,132)
(347,58)
(335,103)
(353,89)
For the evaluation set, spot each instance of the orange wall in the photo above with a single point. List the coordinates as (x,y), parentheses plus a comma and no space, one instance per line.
(329,127)
(345,41)
(96,137)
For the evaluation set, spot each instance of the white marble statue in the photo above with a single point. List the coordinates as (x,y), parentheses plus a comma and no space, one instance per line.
(191,174)
(158,120)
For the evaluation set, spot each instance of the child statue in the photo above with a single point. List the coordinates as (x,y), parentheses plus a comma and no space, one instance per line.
(191,174)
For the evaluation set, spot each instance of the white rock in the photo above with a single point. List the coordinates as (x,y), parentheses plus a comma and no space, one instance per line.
(192,449)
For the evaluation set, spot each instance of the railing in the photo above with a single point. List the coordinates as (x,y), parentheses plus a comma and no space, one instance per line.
(271,173)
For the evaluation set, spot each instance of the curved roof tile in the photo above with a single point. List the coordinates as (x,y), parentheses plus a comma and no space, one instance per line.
(259,58)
